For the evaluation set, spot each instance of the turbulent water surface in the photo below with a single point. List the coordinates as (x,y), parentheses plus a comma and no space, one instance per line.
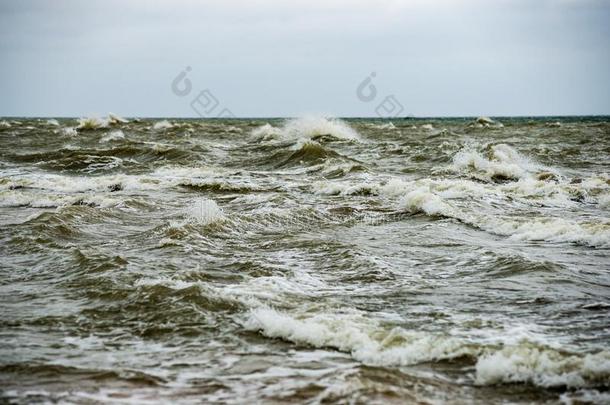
(306,260)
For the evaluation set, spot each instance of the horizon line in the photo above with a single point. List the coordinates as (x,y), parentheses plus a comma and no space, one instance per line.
(306,115)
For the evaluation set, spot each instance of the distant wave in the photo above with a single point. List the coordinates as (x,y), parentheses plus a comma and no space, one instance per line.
(307,128)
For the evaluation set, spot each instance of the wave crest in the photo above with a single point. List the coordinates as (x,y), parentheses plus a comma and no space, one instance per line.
(205,212)
(502,163)
(368,342)
(307,128)
(542,367)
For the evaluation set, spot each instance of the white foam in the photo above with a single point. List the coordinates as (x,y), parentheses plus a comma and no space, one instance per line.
(357,335)
(161,125)
(585,396)
(542,367)
(535,229)
(422,200)
(37,200)
(396,187)
(311,126)
(368,342)
(5,124)
(343,188)
(552,230)
(114,119)
(53,122)
(92,123)
(188,172)
(164,281)
(113,136)
(596,184)
(205,212)
(306,128)
(485,122)
(504,161)
(425,197)
(267,132)
(69,131)
(387,125)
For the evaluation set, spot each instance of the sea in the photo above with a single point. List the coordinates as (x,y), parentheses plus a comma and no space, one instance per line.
(305,260)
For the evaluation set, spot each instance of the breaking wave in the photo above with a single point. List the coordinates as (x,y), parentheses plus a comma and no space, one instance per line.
(366,341)
(113,136)
(540,229)
(91,123)
(205,212)
(544,367)
(434,198)
(500,163)
(307,128)
(162,125)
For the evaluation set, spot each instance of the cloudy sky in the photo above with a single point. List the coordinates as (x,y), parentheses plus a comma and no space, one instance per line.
(288,58)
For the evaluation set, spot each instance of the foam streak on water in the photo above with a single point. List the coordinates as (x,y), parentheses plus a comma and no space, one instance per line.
(305,260)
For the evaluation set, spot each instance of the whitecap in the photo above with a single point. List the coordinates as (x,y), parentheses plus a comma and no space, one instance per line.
(114,119)
(504,162)
(344,188)
(205,212)
(266,132)
(91,123)
(367,341)
(161,125)
(422,200)
(387,125)
(69,131)
(542,367)
(312,126)
(306,128)
(361,337)
(485,122)
(113,136)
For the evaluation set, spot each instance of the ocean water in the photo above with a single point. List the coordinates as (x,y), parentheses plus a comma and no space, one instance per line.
(308,260)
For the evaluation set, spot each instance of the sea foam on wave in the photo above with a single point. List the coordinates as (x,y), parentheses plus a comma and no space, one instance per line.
(205,212)
(92,123)
(542,367)
(542,228)
(307,127)
(358,335)
(113,136)
(162,125)
(502,163)
(367,341)
(446,198)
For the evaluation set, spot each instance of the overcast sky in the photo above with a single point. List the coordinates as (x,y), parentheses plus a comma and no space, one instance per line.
(289,58)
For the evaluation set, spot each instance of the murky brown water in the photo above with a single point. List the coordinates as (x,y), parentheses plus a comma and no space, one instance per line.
(309,260)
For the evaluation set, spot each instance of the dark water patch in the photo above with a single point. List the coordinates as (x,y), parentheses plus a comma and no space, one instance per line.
(129,154)
(308,153)
(58,374)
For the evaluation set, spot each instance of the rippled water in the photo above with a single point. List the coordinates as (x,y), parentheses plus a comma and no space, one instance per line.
(308,260)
